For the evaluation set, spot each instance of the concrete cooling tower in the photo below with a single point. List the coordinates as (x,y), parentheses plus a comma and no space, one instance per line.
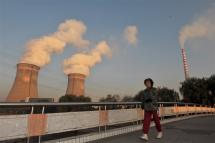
(25,84)
(76,84)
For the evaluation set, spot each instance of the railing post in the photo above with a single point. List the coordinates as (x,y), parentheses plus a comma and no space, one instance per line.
(176,108)
(105,124)
(142,116)
(137,113)
(28,140)
(187,109)
(195,109)
(39,140)
(43,109)
(32,112)
(213,109)
(160,111)
(163,111)
(99,118)
(201,109)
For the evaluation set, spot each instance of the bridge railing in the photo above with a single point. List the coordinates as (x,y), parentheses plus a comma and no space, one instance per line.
(25,120)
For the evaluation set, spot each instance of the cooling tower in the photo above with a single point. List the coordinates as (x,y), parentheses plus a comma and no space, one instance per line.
(25,84)
(75,84)
(186,71)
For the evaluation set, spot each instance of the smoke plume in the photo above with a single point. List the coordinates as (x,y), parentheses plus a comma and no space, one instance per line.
(201,27)
(82,62)
(130,34)
(39,51)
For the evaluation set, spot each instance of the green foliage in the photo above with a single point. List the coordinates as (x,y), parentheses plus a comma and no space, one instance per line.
(127,99)
(110,98)
(73,98)
(199,90)
(211,90)
(167,95)
(138,97)
(164,95)
(194,90)
(211,83)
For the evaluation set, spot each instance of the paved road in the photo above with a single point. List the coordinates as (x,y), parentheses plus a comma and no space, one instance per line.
(196,130)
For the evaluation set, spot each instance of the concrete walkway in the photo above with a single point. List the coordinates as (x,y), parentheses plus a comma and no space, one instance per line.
(196,130)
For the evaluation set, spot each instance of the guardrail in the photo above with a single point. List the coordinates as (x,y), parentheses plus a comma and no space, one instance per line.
(25,120)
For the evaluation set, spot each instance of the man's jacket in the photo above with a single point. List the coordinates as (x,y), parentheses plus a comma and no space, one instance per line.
(149,99)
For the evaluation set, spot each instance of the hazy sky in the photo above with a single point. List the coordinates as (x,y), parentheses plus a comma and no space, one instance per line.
(156,54)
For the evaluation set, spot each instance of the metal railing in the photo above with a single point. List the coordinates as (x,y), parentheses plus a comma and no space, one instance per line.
(82,103)
(51,117)
(14,105)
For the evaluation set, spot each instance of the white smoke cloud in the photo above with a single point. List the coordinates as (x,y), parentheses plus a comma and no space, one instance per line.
(201,27)
(72,31)
(39,51)
(130,34)
(82,62)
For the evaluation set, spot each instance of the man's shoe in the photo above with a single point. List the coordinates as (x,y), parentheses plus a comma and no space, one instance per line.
(144,137)
(160,135)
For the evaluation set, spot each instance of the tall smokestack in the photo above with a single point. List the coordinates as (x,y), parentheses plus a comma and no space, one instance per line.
(186,71)
(76,84)
(25,84)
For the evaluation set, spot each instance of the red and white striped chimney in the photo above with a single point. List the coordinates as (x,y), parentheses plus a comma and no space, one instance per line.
(186,70)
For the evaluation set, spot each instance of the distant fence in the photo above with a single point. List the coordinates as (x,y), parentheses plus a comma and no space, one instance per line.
(35,120)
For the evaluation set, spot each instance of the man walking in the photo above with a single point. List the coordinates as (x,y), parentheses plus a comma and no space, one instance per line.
(150,105)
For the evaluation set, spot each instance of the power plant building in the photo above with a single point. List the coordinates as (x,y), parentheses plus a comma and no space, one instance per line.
(25,84)
(76,84)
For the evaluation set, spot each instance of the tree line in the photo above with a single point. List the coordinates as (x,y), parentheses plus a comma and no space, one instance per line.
(199,90)
(164,95)
(193,90)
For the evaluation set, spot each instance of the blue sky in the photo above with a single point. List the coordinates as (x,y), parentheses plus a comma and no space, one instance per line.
(157,54)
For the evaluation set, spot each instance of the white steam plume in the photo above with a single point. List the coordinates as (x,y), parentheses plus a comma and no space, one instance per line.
(82,62)
(202,27)
(130,34)
(39,51)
